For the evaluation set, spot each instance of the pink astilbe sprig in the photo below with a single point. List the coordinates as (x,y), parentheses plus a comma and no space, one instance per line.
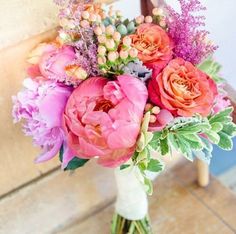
(186,30)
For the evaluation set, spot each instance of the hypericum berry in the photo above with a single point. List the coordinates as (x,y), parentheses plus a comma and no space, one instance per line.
(148,19)
(84,24)
(157,11)
(101,60)
(102,39)
(85,15)
(102,50)
(156,110)
(116,36)
(110,44)
(133,53)
(139,19)
(127,41)
(112,56)
(93,18)
(98,31)
(148,107)
(153,119)
(110,30)
(124,54)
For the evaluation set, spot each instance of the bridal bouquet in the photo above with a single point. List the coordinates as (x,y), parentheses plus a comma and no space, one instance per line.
(126,93)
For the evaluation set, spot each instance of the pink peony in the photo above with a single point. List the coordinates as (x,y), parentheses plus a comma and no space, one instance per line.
(53,63)
(41,106)
(102,119)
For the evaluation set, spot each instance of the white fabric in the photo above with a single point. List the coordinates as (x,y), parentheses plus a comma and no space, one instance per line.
(131,202)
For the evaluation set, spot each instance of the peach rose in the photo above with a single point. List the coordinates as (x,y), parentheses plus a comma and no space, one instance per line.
(183,89)
(153,44)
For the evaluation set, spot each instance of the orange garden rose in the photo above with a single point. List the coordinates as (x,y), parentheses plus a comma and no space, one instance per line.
(183,89)
(153,44)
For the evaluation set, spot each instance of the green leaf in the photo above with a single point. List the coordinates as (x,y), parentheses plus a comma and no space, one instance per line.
(76,163)
(212,68)
(216,127)
(225,142)
(155,142)
(229,129)
(194,141)
(148,186)
(223,116)
(61,152)
(185,148)
(164,146)
(124,166)
(196,128)
(172,140)
(154,166)
(213,137)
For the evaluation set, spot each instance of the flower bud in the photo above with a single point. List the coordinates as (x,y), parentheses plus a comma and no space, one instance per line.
(92,17)
(98,31)
(139,19)
(102,39)
(85,15)
(112,56)
(102,50)
(110,30)
(148,19)
(110,44)
(116,36)
(156,110)
(133,53)
(101,60)
(157,11)
(153,119)
(148,107)
(124,54)
(127,41)
(84,24)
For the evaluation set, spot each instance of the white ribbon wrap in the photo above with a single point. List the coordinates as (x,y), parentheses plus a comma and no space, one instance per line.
(131,202)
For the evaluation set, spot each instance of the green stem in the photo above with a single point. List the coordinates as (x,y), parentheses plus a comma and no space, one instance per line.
(120,225)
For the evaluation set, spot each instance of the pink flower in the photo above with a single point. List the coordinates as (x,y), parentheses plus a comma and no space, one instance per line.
(164,117)
(222,101)
(41,106)
(53,63)
(103,118)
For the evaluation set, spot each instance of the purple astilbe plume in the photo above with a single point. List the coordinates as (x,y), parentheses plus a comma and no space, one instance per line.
(41,107)
(185,30)
(86,57)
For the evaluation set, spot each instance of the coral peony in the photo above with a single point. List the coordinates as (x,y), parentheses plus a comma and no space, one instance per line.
(41,106)
(153,44)
(183,89)
(103,118)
